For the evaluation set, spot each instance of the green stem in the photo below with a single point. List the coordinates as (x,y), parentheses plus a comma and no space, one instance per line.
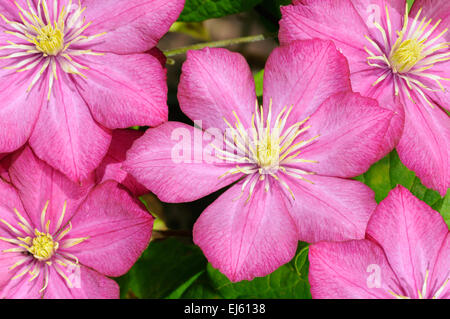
(222,43)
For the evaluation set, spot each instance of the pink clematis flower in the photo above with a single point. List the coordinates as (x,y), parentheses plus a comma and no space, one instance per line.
(72,70)
(286,161)
(406,254)
(59,239)
(401,59)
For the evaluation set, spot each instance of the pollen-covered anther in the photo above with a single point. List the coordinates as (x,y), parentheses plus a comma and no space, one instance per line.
(49,40)
(43,246)
(406,56)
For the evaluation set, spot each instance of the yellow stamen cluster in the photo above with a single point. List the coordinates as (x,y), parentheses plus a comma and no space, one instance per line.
(43,246)
(406,56)
(49,40)
(39,250)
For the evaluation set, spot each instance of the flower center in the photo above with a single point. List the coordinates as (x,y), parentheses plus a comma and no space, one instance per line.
(423,294)
(43,246)
(266,150)
(49,40)
(406,56)
(39,250)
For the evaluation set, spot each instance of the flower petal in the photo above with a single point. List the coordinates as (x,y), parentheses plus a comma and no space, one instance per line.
(411,235)
(351,132)
(19,109)
(346,22)
(331,209)
(247,239)
(303,75)
(117,227)
(425,144)
(173,162)
(22,287)
(355,269)
(111,166)
(440,274)
(66,136)
(125,90)
(433,9)
(214,83)
(130,28)
(86,284)
(36,183)
(9,201)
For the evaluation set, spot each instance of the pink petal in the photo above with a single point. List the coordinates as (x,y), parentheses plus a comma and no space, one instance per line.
(171,161)
(345,22)
(19,109)
(332,209)
(22,288)
(111,166)
(354,269)
(411,235)
(117,227)
(440,273)
(86,284)
(130,28)
(9,201)
(425,144)
(433,9)
(66,136)
(125,90)
(214,83)
(303,75)
(247,239)
(37,183)
(352,133)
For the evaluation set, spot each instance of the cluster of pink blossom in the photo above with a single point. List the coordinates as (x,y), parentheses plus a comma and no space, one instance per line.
(351,81)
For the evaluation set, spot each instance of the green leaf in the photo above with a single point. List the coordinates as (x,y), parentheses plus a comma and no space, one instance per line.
(445,209)
(259,82)
(389,172)
(199,10)
(289,281)
(201,289)
(166,269)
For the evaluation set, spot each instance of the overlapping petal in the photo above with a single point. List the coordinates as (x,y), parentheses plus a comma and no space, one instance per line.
(130,28)
(351,132)
(356,269)
(425,144)
(38,183)
(330,208)
(412,236)
(111,166)
(303,75)
(66,136)
(125,90)
(118,230)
